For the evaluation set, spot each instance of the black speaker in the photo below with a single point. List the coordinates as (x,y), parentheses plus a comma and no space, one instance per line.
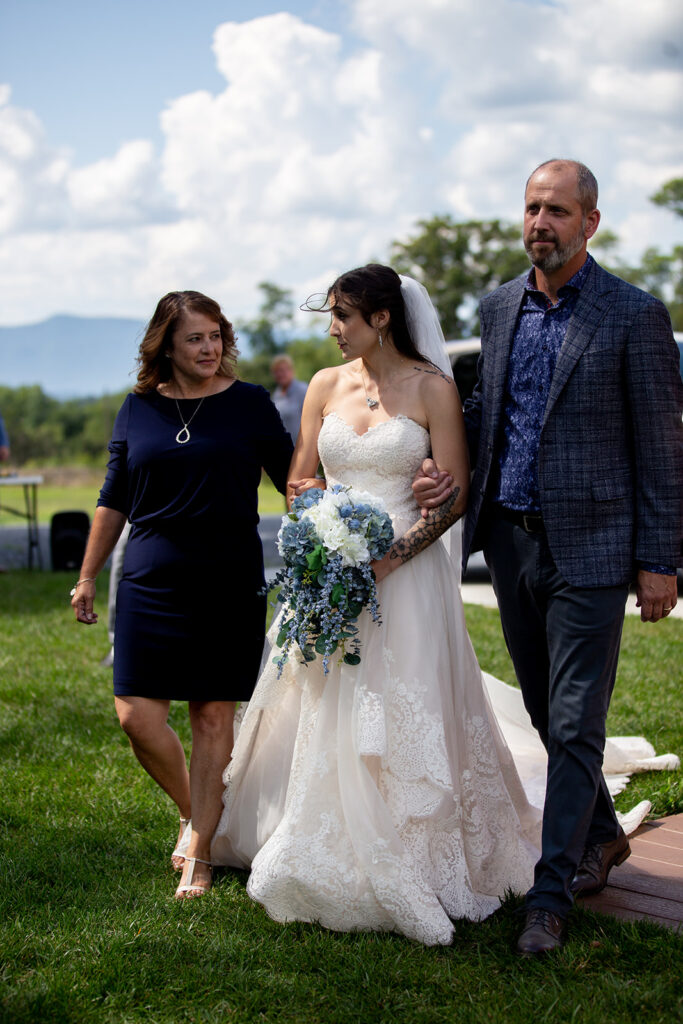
(68,536)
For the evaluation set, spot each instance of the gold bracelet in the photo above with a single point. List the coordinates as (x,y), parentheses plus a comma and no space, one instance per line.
(86,579)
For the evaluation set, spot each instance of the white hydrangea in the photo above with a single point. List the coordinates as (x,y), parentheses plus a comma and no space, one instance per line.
(354,550)
(333,531)
(361,498)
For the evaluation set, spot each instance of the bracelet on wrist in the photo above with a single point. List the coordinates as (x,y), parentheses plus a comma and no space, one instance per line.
(86,579)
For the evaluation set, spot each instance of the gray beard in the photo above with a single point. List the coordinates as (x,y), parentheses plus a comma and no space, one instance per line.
(558,256)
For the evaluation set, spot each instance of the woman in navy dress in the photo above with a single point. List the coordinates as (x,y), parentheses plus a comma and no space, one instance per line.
(185,463)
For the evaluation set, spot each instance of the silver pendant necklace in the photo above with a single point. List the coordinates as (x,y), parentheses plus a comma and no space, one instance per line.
(183,435)
(372,403)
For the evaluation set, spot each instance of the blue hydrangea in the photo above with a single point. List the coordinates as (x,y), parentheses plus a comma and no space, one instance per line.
(307,499)
(296,538)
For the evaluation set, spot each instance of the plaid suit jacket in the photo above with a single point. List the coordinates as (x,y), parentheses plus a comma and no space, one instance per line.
(610,463)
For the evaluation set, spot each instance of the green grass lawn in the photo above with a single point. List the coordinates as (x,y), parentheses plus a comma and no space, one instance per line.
(83,497)
(89,931)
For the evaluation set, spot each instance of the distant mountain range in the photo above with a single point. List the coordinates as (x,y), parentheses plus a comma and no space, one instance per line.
(71,356)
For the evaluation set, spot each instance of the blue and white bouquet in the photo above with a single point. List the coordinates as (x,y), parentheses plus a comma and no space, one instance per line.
(327,542)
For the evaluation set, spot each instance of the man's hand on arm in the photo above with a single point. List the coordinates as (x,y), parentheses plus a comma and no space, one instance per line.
(657,594)
(431,486)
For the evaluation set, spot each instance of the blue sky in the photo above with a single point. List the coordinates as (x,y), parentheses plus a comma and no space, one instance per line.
(98,72)
(160,144)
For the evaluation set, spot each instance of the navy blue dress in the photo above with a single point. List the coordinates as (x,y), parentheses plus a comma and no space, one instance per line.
(189,613)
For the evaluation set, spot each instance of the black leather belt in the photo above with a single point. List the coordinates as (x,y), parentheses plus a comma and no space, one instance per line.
(531,522)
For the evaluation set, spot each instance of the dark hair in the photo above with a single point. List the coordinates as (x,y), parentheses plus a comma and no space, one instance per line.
(153,366)
(370,289)
(586,182)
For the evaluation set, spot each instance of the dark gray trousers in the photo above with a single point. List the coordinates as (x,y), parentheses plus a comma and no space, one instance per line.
(564,644)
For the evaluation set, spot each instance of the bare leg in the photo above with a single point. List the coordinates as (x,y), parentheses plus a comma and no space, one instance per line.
(156,746)
(212,736)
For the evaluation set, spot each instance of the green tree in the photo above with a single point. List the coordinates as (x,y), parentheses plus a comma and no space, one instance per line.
(312,354)
(458,263)
(659,273)
(274,318)
(271,333)
(33,423)
(46,431)
(671,196)
(606,241)
(308,355)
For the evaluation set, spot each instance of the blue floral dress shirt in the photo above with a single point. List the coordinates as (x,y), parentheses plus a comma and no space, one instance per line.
(540,331)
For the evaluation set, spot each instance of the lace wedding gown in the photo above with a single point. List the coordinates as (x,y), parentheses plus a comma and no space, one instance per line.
(380,796)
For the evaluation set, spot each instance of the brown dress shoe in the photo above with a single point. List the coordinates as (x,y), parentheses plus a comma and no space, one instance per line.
(596,864)
(543,932)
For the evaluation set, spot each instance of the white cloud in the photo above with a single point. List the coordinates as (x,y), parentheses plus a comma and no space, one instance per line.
(119,191)
(520,82)
(321,149)
(31,174)
(19,131)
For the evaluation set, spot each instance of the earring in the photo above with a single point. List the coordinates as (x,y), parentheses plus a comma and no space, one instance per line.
(379,335)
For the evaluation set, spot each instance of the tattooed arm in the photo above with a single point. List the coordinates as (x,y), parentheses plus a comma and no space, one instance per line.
(449,450)
(421,534)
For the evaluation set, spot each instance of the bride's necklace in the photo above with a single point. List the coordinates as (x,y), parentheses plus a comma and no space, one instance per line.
(183,435)
(372,403)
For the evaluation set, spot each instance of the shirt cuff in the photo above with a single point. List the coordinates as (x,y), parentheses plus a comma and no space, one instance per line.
(662,570)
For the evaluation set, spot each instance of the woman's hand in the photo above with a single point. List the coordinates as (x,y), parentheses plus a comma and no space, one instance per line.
(83,601)
(298,487)
(106,528)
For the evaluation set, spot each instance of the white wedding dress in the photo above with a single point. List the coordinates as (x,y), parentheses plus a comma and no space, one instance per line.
(383,796)
(380,796)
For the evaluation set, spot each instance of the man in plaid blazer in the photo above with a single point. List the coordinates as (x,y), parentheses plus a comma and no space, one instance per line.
(576,448)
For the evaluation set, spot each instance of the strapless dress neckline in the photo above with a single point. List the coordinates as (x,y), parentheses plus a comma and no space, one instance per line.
(400,416)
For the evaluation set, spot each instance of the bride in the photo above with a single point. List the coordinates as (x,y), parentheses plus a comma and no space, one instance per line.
(382,796)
